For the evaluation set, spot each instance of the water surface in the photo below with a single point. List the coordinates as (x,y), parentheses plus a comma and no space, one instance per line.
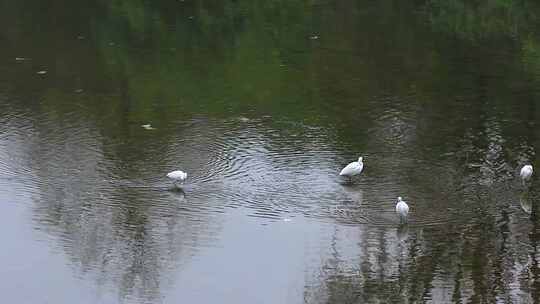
(262,103)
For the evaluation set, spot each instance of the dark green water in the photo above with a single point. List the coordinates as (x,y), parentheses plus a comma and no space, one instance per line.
(263,103)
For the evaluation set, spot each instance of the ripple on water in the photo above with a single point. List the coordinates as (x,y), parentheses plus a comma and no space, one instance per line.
(273,169)
(262,166)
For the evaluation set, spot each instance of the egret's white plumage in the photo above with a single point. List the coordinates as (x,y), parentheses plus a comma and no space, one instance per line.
(526,172)
(178,176)
(353,168)
(402,209)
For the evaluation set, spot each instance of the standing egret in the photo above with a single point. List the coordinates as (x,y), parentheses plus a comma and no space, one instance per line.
(402,209)
(526,173)
(178,177)
(352,169)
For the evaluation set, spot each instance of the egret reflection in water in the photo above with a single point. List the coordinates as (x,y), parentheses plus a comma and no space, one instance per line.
(525,202)
(402,232)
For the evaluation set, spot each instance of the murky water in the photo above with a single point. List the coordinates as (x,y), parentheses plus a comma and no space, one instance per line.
(263,103)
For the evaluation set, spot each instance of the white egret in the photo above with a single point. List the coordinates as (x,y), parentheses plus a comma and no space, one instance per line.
(178,177)
(526,173)
(352,169)
(402,209)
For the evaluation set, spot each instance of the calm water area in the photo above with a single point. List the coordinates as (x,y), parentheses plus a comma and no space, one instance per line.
(262,103)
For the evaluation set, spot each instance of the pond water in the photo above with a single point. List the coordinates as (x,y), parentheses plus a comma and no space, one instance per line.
(262,103)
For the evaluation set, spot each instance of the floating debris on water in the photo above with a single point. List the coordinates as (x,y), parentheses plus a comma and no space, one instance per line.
(78,90)
(148,127)
(21,58)
(314,37)
(41,72)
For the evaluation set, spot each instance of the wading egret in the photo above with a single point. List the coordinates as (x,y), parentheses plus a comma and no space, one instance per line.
(526,173)
(402,209)
(352,169)
(178,177)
